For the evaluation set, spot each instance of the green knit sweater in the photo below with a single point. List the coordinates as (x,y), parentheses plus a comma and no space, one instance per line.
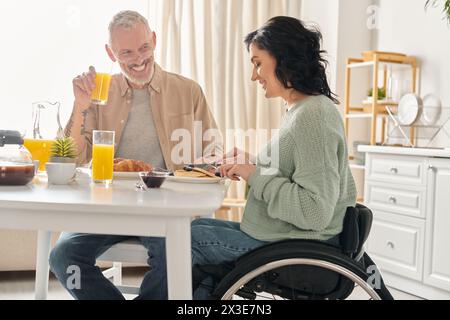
(305,195)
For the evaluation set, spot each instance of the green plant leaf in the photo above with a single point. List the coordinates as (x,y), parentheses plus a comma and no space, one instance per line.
(445,9)
(64,147)
(381,93)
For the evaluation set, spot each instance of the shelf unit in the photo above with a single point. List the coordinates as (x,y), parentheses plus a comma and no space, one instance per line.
(371,110)
(374,108)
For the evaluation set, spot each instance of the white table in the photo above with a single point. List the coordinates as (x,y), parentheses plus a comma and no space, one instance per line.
(119,210)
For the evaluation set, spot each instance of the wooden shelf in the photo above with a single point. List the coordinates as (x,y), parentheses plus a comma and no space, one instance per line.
(359,115)
(380,103)
(377,61)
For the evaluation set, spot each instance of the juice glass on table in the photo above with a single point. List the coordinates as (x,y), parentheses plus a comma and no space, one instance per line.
(103,157)
(40,150)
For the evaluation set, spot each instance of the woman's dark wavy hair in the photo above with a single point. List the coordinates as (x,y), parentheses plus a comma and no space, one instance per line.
(300,62)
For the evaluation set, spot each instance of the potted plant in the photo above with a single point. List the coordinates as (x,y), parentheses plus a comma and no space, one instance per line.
(63,150)
(62,165)
(446,8)
(381,94)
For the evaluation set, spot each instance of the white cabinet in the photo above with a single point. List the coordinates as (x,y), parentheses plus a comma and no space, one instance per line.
(397,244)
(437,267)
(409,195)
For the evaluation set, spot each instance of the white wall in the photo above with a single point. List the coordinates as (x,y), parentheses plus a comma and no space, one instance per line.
(405,26)
(45,44)
(343,24)
(324,14)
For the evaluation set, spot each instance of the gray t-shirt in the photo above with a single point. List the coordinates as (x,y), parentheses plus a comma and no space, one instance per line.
(139,139)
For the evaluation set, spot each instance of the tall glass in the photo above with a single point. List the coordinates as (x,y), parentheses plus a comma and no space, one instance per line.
(103,157)
(101,91)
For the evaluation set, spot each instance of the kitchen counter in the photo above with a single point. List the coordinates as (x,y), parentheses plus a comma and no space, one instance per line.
(424,152)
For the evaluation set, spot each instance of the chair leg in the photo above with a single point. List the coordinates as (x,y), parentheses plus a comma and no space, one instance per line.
(117,276)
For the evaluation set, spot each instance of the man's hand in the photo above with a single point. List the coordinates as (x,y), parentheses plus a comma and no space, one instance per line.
(83,85)
(234,171)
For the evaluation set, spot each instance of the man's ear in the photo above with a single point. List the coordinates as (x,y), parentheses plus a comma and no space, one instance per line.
(154,39)
(110,53)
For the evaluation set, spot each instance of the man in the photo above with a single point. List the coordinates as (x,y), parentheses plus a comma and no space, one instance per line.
(146,106)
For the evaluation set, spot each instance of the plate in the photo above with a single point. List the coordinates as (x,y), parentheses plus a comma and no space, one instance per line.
(194,180)
(432,109)
(409,109)
(126,175)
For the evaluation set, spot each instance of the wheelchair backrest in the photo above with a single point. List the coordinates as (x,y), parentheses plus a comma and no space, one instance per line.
(357,225)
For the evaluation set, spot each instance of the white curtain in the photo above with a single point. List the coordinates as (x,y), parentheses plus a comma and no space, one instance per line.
(203,40)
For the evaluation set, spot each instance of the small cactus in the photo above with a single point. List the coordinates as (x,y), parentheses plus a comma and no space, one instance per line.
(64,148)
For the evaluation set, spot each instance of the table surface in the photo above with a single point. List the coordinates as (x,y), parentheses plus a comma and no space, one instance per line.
(173,198)
(83,206)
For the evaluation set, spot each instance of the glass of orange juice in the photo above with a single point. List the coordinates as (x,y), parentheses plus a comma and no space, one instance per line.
(103,157)
(40,150)
(101,91)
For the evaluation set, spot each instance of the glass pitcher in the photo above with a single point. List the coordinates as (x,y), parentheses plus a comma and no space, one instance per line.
(44,128)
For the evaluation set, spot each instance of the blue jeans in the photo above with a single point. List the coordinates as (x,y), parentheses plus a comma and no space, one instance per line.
(214,242)
(82,251)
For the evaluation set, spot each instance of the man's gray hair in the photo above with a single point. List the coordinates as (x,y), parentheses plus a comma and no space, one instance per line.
(127,19)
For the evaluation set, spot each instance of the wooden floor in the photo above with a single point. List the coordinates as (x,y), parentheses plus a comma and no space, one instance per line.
(20,286)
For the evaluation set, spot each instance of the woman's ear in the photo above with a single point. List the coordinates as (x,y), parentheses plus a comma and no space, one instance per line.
(110,53)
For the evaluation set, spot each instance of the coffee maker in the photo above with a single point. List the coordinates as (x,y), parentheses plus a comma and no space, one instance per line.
(16,164)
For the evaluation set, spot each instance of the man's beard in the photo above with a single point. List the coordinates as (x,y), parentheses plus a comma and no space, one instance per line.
(140,82)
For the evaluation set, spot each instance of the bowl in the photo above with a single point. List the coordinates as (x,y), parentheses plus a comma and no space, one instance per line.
(153,180)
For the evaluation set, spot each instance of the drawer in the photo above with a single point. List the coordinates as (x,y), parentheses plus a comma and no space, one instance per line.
(401,170)
(406,200)
(396,244)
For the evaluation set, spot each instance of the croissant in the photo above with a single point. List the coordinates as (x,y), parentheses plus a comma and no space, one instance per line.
(127,165)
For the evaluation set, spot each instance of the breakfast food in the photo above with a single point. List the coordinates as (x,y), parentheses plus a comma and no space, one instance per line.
(127,165)
(194,172)
(189,174)
(152,180)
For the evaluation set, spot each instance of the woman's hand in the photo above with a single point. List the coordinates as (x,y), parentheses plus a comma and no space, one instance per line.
(237,156)
(236,171)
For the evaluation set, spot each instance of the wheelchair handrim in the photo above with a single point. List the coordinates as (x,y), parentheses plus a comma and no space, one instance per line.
(300,261)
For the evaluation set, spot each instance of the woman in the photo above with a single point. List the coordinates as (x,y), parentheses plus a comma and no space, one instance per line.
(303,193)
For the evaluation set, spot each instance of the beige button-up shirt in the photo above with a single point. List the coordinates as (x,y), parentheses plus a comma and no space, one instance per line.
(176,103)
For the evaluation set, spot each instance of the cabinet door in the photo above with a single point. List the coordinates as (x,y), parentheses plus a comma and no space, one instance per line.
(437,258)
(396,244)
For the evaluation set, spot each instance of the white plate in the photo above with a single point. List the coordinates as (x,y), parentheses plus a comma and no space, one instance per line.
(432,109)
(409,109)
(194,180)
(126,175)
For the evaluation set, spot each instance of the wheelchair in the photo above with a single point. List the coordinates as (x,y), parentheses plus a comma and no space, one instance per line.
(302,269)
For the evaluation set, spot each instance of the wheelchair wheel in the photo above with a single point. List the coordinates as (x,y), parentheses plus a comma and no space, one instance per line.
(257,278)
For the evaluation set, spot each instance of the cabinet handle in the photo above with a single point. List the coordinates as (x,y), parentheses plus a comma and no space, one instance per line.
(431,167)
(391,245)
(394,170)
(392,199)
